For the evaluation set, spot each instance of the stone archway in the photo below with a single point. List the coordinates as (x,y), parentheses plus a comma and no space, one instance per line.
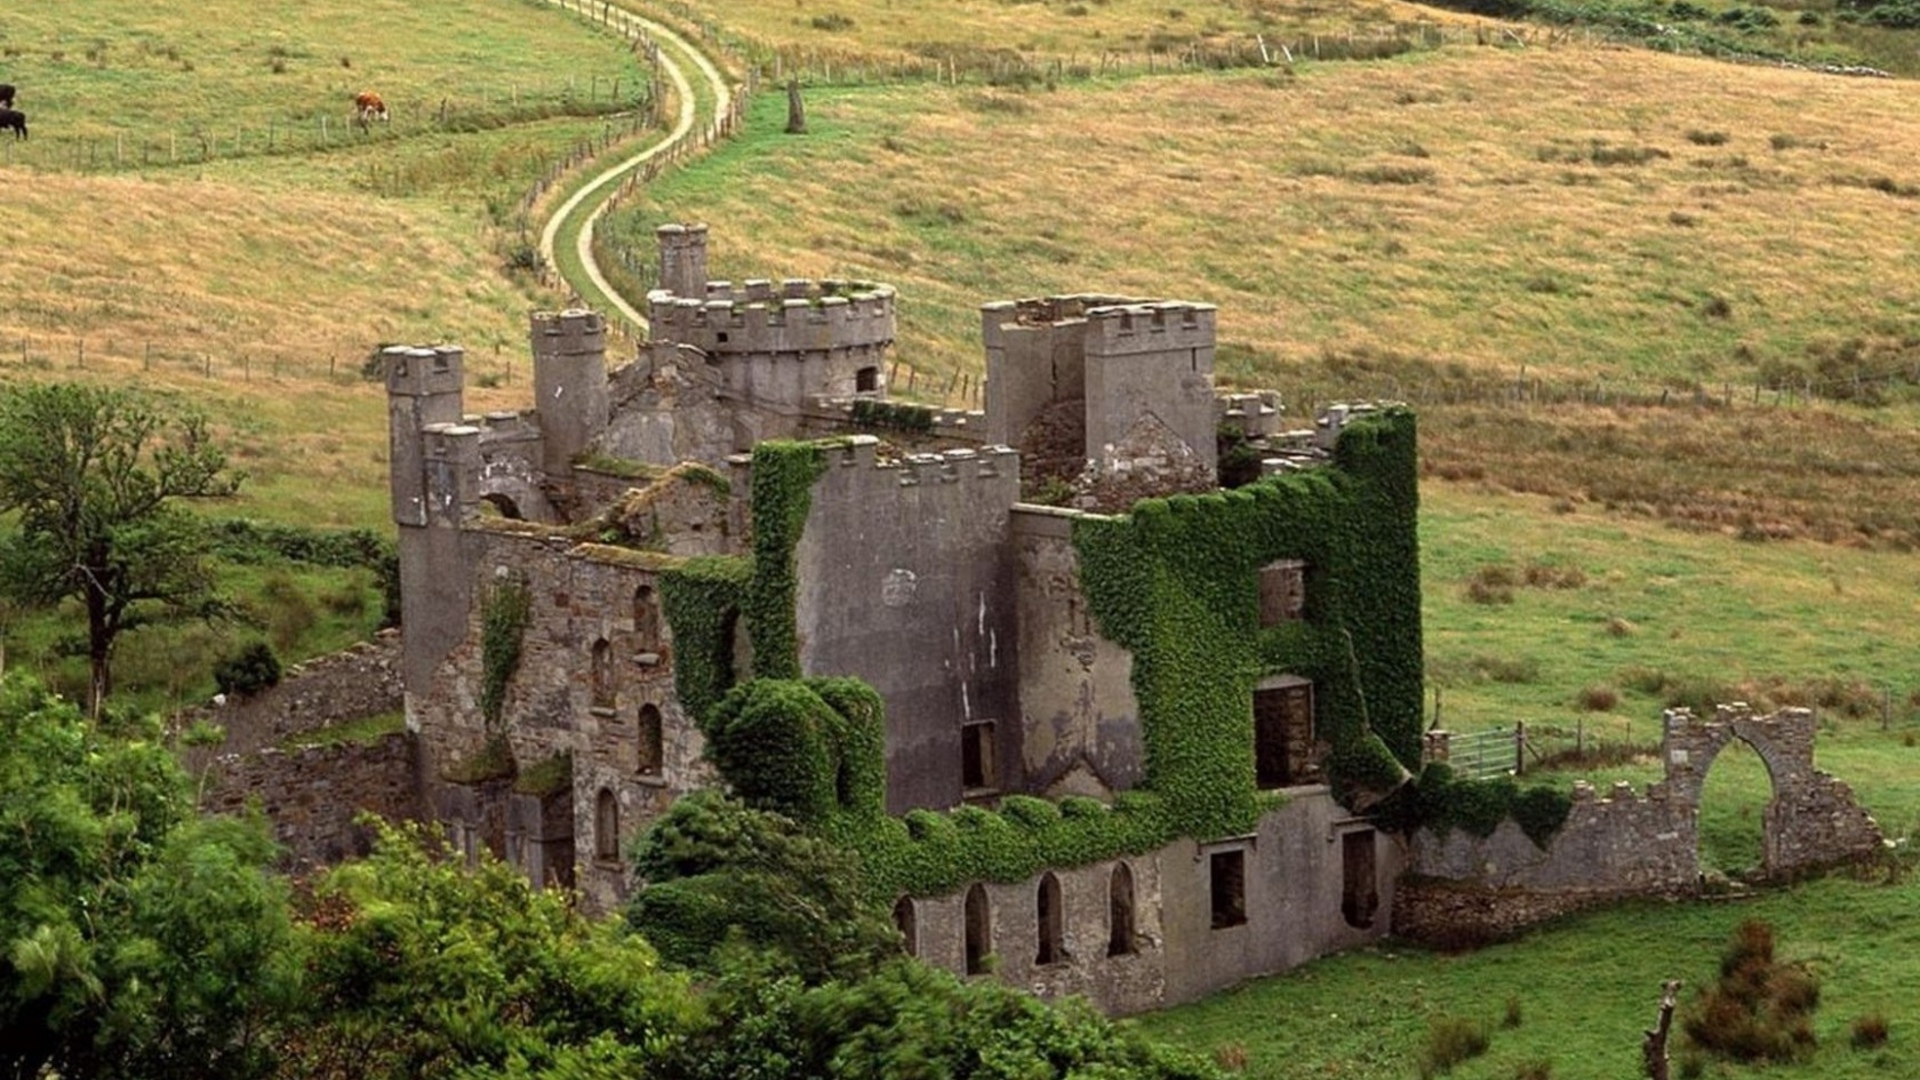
(1812,820)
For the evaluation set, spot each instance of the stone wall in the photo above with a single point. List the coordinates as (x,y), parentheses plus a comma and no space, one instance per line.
(595,675)
(906,581)
(1313,881)
(358,682)
(1470,889)
(1079,718)
(312,795)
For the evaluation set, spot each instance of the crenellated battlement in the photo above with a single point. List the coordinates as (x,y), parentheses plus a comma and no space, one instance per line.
(950,467)
(421,372)
(573,332)
(1119,329)
(1256,414)
(755,318)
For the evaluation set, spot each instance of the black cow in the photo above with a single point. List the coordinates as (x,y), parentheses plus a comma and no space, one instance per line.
(6,96)
(15,119)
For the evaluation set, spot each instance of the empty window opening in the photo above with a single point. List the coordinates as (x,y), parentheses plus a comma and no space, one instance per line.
(1360,891)
(1228,873)
(1121,939)
(977,764)
(1283,745)
(646,620)
(1052,921)
(606,826)
(602,674)
(650,741)
(906,921)
(979,920)
(502,505)
(1283,592)
(866,380)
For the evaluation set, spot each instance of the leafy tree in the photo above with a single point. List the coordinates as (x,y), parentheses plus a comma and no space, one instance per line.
(94,474)
(420,966)
(135,940)
(908,1019)
(717,870)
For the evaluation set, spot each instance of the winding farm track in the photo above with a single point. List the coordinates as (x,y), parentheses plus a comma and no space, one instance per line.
(584,207)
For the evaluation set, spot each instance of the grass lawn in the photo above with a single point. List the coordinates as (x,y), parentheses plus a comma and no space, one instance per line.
(1584,990)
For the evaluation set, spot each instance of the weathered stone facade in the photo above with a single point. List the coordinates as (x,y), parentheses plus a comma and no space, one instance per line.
(357,682)
(1628,844)
(312,795)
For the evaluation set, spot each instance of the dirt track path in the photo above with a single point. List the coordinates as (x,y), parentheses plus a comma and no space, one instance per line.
(577,215)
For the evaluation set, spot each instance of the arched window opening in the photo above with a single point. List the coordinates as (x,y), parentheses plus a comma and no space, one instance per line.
(646,620)
(602,674)
(606,826)
(1121,939)
(651,741)
(979,920)
(1052,921)
(905,921)
(500,504)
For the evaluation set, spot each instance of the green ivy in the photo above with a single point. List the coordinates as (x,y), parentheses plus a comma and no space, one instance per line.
(898,415)
(778,745)
(701,599)
(503,619)
(1176,583)
(781,494)
(1540,812)
(1443,801)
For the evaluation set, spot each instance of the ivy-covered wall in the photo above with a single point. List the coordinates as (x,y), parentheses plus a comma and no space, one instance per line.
(1176,583)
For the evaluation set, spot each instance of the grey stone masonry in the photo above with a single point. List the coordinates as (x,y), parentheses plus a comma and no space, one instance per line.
(1812,821)
(1620,843)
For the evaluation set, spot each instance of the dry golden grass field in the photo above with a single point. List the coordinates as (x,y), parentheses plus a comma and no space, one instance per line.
(1447,226)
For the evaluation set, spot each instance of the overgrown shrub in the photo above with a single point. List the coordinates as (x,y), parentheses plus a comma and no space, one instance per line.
(1599,698)
(1869,1031)
(249,671)
(1760,1009)
(1492,584)
(1450,1041)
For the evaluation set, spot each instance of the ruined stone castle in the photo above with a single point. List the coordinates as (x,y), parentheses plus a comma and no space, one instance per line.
(1132,722)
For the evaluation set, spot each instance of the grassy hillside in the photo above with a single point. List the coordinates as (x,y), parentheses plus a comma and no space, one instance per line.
(1585,212)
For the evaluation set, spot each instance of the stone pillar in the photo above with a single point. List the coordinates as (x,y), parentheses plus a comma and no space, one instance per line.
(569,384)
(683,260)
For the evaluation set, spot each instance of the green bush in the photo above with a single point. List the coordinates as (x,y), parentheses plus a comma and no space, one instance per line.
(249,671)
(1450,1041)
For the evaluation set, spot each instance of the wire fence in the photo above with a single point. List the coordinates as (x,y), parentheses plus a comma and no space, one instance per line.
(59,351)
(954,63)
(319,131)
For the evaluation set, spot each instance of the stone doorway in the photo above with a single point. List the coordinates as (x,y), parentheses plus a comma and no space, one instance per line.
(1731,842)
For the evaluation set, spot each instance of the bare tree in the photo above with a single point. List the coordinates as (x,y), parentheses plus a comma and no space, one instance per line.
(1654,1049)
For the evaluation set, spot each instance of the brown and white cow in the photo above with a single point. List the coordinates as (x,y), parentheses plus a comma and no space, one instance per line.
(368,106)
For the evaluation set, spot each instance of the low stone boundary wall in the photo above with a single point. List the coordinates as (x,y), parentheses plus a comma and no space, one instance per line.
(1465,889)
(352,684)
(312,795)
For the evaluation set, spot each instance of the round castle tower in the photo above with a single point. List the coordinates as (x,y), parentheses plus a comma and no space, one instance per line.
(772,346)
